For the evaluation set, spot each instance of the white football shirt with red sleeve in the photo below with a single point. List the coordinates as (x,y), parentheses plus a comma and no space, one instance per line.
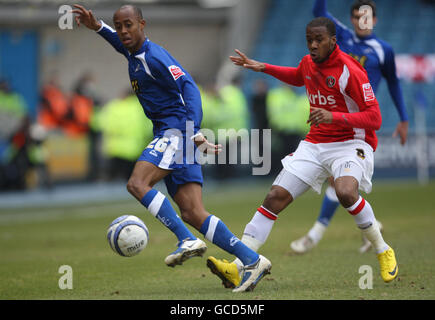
(340,85)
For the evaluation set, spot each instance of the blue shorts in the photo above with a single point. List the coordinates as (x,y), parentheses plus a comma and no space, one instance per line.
(176,154)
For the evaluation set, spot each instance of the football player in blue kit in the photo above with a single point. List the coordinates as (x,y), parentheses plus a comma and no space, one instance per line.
(377,58)
(171,100)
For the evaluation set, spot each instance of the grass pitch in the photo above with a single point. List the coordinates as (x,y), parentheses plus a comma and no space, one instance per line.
(36,242)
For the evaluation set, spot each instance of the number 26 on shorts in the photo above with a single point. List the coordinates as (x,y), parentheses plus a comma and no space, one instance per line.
(159,144)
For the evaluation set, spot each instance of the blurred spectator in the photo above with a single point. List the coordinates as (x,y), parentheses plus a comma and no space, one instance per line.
(80,106)
(233,114)
(259,97)
(53,107)
(14,139)
(85,104)
(72,115)
(125,132)
(287,115)
(259,115)
(38,155)
(211,106)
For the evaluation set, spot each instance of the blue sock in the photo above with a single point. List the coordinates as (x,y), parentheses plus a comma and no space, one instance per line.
(161,208)
(217,232)
(327,211)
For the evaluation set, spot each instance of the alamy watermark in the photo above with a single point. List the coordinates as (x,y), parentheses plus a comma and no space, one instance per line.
(241,146)
(366,281)
(66,280)
(66,20)
(366,19)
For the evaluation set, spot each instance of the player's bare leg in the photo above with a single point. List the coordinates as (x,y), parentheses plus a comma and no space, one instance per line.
(277,199)
(145,175)
(189,200)
(346,189)
(143,178)
(330,204)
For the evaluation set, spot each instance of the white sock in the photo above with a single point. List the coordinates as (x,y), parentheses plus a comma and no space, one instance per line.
(331,194)
(261,225)
(375,237)
(366,221)
(317,231)
(251,243)
(257,230)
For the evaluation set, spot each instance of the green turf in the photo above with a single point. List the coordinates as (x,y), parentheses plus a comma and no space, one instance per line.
(34,243)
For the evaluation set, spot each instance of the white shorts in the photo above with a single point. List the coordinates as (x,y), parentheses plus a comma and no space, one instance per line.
(295,186)
(314,163)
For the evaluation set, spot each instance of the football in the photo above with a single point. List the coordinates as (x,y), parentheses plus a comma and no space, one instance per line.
(127,235)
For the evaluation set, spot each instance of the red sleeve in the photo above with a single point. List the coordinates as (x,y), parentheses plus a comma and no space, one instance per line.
(359,93)
(369,119)
(292,76)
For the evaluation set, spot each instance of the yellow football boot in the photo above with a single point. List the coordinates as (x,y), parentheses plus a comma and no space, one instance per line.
(388,263)
(226,271)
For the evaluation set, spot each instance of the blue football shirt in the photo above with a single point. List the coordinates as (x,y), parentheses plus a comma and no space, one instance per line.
(168,94)
(375,55)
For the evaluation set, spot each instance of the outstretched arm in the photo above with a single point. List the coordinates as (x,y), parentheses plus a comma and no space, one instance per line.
(320,10)
(243,61)
(288,75)
(87,18)
(389,72)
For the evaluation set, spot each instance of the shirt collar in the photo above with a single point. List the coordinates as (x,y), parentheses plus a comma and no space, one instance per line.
(143,48)
(331,57)
(369,37)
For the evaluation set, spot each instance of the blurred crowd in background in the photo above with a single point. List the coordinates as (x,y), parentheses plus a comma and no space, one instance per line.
(109,137)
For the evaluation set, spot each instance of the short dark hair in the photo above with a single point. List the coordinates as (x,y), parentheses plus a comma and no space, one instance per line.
(358,3)
(137,11)
(323,22)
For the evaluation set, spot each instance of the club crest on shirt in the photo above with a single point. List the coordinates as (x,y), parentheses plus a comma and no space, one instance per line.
(176,72)
(369,95)
(330,81)
(360,153)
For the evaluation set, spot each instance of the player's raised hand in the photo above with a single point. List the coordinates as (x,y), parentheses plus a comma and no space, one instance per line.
(402,132)
(86,17)
(243,61)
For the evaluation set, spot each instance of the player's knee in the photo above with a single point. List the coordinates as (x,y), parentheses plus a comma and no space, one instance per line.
(136,187)
(186,215)
(277,199)
(131,186)
(191,216)
(347,195)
